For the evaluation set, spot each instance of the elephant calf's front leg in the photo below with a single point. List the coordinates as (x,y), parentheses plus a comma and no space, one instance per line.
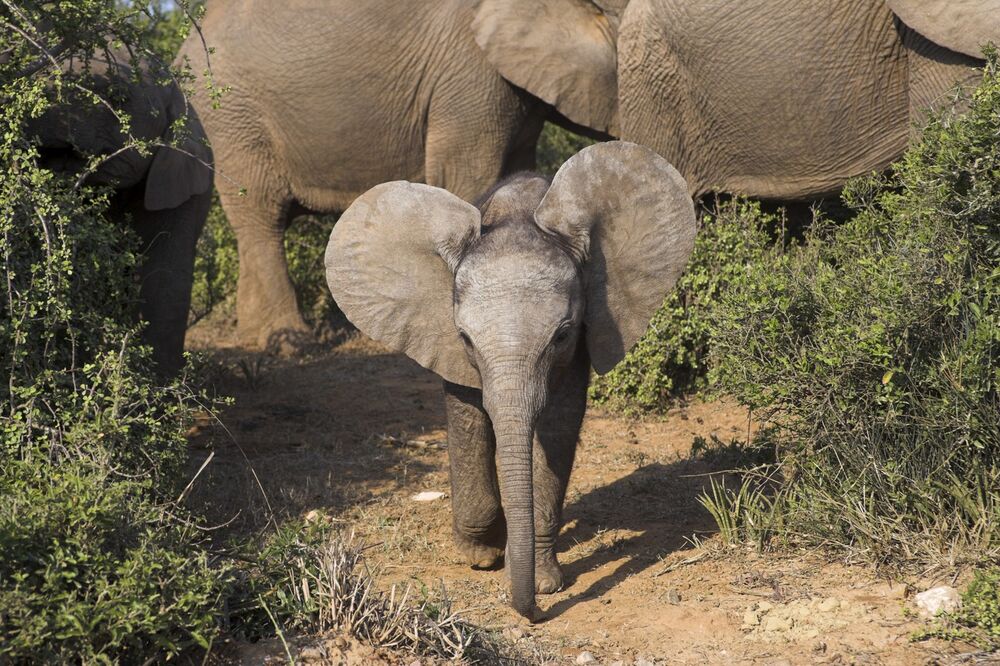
(480,530)
(556,437)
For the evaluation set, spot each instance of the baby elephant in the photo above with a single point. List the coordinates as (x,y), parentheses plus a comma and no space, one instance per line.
(512,303)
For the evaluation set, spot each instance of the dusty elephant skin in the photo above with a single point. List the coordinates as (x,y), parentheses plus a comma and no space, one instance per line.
(771,98)
(329,98)
(512,303)
(165,195)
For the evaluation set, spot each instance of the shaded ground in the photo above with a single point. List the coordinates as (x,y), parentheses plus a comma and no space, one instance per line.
(355,432)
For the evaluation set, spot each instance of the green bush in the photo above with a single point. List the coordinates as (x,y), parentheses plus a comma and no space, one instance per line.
(981,605)
(216,265)
(875,346)
(305,246)
(671,359)
(98,561)
(94,570)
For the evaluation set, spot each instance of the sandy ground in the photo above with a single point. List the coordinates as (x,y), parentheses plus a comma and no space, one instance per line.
(354,432)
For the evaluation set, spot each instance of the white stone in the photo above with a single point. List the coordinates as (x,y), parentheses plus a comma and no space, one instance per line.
(937,600)
(428,496)
(586,658)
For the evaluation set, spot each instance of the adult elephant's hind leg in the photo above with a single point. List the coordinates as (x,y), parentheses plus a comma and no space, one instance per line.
(480,530)
(267,310)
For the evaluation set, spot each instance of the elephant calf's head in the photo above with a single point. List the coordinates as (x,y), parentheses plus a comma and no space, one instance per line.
(495,298)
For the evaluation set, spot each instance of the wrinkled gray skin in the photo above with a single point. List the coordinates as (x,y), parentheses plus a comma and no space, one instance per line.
(512,304)
(164,196)
(519,305)
(331,97)
(773,98)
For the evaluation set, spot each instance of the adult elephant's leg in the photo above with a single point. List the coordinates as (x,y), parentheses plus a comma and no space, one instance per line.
(480,530)
(169,238)
(556,437)
(267,311)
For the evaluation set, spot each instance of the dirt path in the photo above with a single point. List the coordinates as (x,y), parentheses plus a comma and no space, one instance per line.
(355,432)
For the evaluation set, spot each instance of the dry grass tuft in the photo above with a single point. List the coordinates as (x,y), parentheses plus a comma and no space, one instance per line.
(334,580)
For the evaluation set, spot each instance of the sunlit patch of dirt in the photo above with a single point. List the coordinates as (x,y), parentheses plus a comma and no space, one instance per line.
(354,432)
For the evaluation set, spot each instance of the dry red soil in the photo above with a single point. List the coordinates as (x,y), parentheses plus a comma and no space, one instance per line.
(353,432)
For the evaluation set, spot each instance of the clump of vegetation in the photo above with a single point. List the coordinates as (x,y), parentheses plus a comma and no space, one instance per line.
(875,347)
(98,559)
(672,358)
(308,577)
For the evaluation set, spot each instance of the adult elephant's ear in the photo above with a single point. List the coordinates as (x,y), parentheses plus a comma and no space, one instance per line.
(960,25)
(179,172)
(390,266)
(626,214)
(562,51)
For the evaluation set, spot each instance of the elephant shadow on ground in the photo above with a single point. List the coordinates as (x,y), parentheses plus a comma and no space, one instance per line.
(323,432)
(657,509)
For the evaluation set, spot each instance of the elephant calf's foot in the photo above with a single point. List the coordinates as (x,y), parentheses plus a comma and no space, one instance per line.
(548,574)
(478,554)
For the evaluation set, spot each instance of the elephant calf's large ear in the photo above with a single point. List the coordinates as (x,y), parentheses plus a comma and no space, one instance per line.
(627,215)
(390,266)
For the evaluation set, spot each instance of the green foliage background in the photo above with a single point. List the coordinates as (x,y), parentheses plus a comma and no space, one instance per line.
(98,561)
(875,348)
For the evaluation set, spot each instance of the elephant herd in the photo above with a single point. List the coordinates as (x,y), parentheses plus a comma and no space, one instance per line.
(416,120)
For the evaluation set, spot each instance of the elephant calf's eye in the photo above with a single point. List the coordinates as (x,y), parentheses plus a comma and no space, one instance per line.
(561,336)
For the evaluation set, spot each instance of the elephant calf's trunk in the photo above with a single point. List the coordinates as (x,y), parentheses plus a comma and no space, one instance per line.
(514,442)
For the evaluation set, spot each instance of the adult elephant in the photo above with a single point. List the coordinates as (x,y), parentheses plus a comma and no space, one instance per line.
(163,194)
(328,98)
(773,98)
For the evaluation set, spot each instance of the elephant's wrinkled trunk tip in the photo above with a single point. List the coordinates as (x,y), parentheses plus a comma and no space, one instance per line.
(515,433)
(521,559)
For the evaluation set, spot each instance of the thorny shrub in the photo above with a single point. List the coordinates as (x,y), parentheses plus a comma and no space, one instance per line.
(875,347)
(98,560)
